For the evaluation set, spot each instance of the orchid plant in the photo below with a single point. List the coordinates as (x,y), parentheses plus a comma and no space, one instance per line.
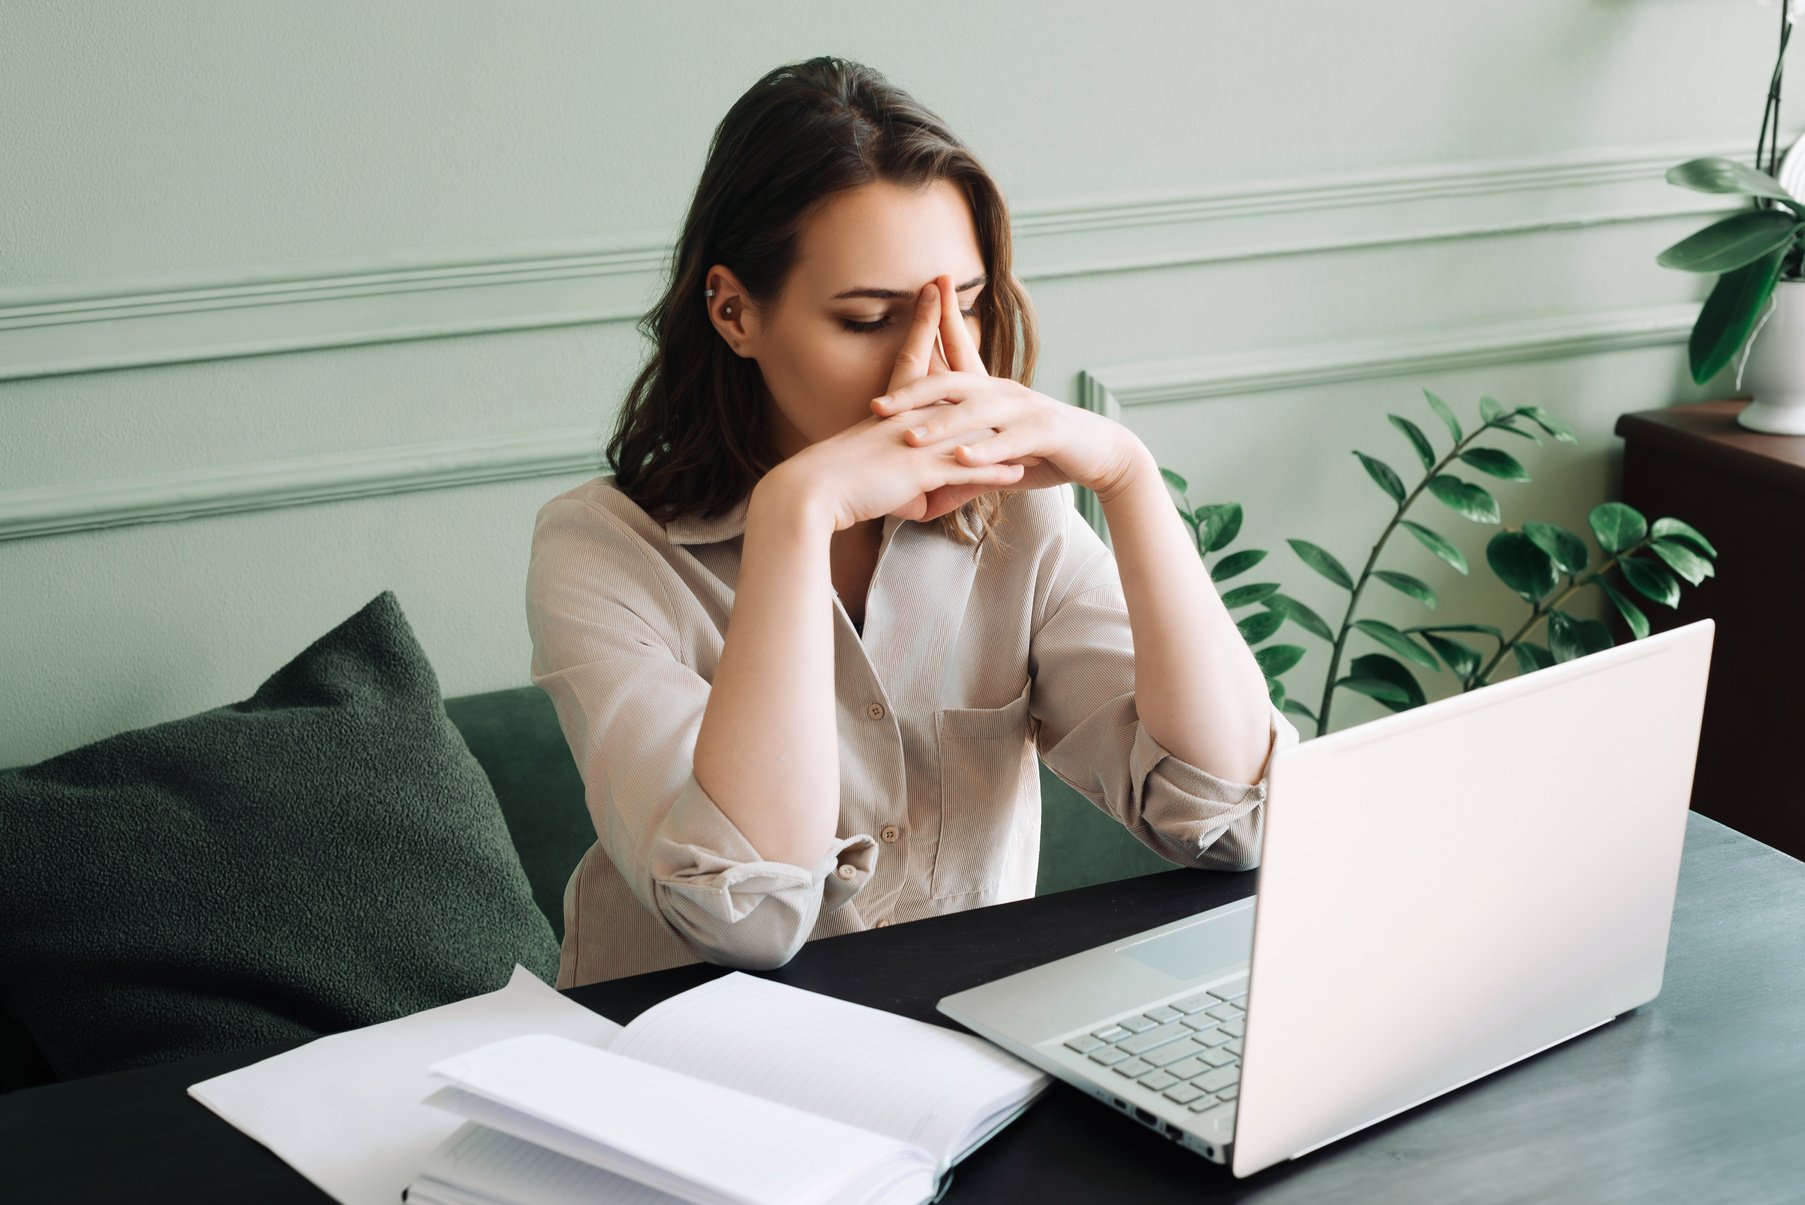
(1749,251)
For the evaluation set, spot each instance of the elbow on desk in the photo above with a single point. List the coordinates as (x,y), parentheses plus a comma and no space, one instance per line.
(1234,848)
(1237,847)
(759,955)
(761,937)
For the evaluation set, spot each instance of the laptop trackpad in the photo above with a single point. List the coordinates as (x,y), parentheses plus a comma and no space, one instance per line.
(1217,941)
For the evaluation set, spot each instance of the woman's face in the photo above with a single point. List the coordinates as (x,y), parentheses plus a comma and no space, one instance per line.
(829,345)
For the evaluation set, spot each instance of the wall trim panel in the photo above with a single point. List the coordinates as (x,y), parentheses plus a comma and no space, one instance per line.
(192,493)
(1302,366)
(1108,390)
(303,481)
(48,330)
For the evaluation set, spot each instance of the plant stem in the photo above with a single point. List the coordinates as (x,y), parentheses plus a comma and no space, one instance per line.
(1538,612)
(1347,620)
(1772,108)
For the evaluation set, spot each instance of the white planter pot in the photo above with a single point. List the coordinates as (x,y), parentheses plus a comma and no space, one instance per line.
(1775,371)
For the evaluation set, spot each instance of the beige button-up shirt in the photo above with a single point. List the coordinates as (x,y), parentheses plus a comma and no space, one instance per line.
(964,671)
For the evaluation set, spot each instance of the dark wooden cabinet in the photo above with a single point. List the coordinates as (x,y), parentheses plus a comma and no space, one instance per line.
(1744,492)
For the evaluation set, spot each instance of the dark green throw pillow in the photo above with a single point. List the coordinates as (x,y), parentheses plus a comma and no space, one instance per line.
(324,855)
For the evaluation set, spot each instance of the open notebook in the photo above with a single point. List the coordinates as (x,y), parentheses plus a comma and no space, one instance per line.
(741,1090)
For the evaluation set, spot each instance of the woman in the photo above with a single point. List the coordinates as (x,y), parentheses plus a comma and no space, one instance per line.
(803,642)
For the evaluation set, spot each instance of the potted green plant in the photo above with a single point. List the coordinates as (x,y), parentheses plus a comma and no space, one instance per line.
(1756,256)
(1542,563)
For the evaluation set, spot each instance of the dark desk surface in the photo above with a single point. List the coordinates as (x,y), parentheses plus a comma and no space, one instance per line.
(1698,1096)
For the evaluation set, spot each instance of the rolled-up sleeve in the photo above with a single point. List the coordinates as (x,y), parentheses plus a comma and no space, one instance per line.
(605,649)
(1091,736)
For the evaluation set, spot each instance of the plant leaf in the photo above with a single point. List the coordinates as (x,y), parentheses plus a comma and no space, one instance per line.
(1547,422)
(1417,439)
(1521,565)
(1462,660)
(1490,410)
(1531,436)
(1632,614)
(1388,693)
(1383,474)
(1254,592)
(1275,690)
(1413,586)
(1567,550)
(1397,642)
(1388,669)
(1616,526)
(1259,626)
(1174,480)
(1716,174)
(1221,522)
(1465,499)
(1673,529)
(1447,415)
(1570,636)
(1275,659)
(1436,544)
(1498,464)
(1236,563)
(1531,657)
(1652,581)
(1482,628)
(1302,616)
(1682,560)
(1730,313)
(1324,562)
(1733,242)
(1296,708)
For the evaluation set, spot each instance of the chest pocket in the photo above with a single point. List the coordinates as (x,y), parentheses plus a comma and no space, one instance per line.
(987,765)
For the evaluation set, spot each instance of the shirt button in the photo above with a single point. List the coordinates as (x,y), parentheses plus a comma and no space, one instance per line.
(883,922)
(888,832)
(847,870)
(875,711)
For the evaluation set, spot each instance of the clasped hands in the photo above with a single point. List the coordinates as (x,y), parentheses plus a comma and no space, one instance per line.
(976,419)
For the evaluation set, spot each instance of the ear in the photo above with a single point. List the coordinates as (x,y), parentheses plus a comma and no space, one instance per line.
(727,309)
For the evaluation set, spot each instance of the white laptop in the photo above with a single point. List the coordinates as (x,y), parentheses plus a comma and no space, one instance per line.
(1442,892)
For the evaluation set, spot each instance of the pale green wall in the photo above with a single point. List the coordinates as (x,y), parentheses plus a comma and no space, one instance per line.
(258,257)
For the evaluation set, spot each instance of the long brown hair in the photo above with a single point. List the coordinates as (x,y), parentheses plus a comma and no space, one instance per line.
(693,436)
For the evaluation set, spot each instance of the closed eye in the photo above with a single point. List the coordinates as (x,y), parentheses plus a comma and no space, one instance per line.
(869,327)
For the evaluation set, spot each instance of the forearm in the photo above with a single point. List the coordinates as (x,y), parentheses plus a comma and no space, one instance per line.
(768,749)
(1197,686)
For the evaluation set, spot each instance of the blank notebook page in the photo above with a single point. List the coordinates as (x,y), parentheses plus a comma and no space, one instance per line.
(916,1082)
(634,1119)
(480,1160)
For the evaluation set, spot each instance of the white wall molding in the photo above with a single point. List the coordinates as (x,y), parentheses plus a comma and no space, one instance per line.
(186,494)
(367,473)
(1108,390)
(174,318)
(1304,365)
(196,493)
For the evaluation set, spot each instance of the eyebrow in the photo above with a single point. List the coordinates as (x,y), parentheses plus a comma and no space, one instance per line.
(900,294)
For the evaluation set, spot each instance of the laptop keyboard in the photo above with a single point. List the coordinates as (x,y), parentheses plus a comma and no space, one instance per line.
(1186,1051)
